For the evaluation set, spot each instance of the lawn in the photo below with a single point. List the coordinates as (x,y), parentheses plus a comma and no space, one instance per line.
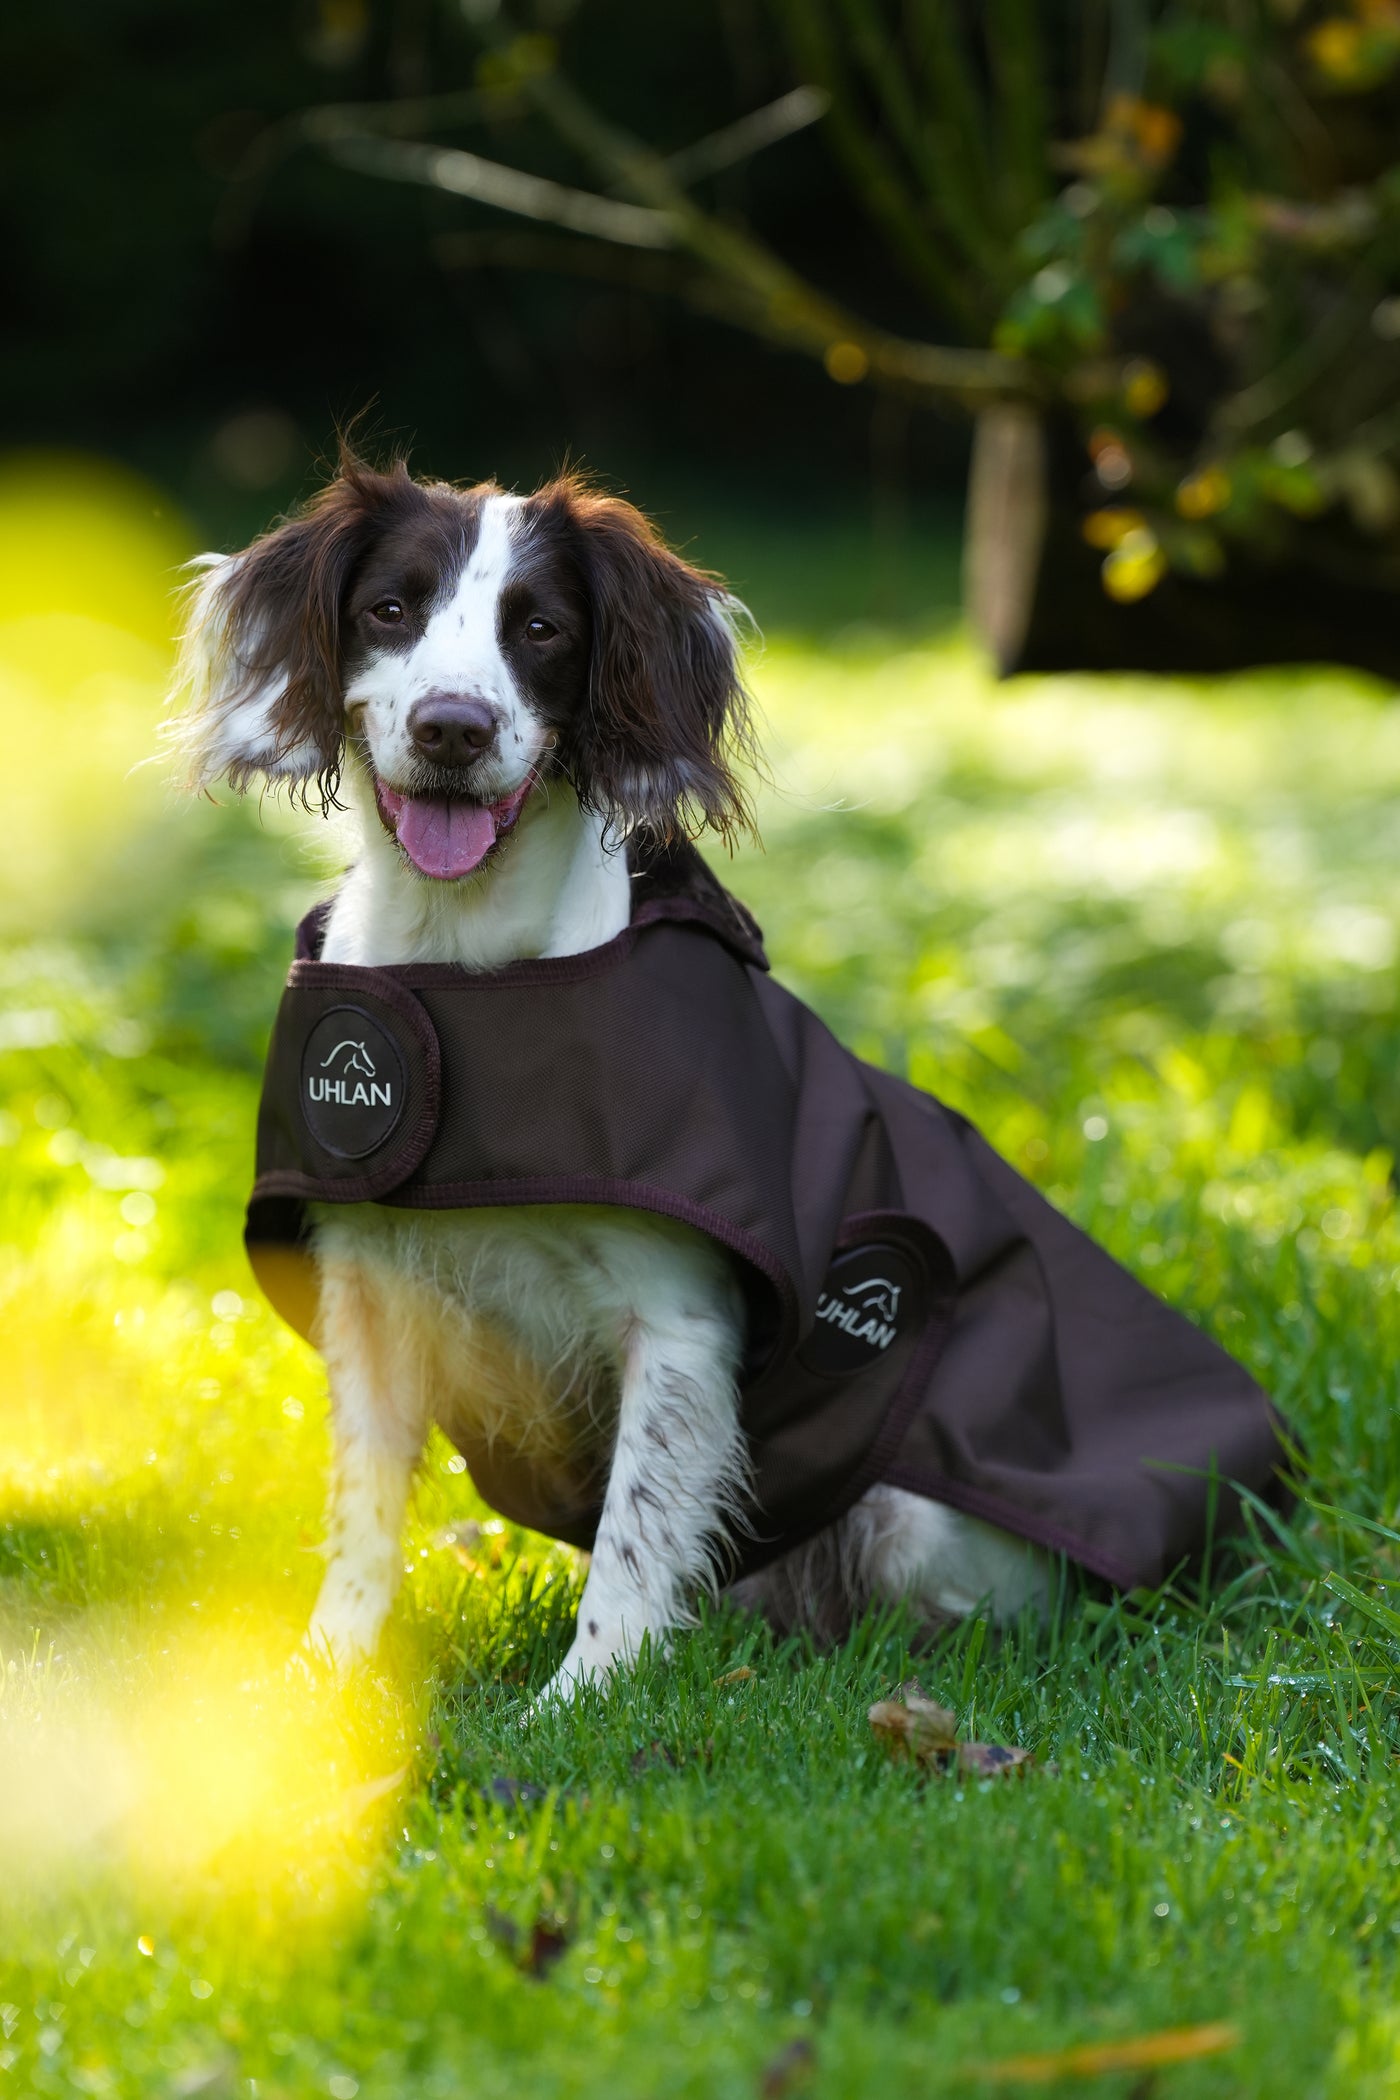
(1147,936)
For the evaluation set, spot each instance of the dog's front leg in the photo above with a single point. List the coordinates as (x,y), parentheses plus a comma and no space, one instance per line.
(379,1422)
(677,1473)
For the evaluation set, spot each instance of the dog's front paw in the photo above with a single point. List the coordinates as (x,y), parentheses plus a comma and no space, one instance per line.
(582,1665)
(338,1640)
(600,1648)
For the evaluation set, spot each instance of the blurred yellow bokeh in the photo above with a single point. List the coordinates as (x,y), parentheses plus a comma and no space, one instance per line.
(212,1760)
(91,556)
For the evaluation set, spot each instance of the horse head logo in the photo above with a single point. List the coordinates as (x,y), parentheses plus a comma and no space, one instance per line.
(878,1295)
(358,1060)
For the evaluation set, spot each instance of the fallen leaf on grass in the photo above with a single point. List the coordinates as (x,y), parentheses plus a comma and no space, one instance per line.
(461,1540)
(913,1727)
(356,1799)
(1142,2052)
(740,1676)
(991,1760)
(509,1793)
(790,2067)
(345,1807)
(653,1754)
(658,1753)
(537,1949)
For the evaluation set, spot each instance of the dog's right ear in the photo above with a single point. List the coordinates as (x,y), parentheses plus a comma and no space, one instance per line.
(260,663)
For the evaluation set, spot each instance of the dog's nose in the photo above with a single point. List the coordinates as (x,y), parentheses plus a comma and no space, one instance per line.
(452,729)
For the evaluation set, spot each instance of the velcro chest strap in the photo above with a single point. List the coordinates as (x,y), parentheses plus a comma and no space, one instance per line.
(353,1087)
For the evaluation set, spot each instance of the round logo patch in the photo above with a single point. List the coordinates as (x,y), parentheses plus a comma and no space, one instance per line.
(353,1083)
(872,1297)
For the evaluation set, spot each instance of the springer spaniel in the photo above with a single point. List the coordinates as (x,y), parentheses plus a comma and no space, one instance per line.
(507,687)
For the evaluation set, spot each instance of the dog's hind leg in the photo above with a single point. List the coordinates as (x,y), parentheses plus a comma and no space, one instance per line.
(678,1465)
(941,1560)
(895,1547)
(379,1421)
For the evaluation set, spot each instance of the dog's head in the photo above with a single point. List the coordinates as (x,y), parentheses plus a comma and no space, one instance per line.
(460,645)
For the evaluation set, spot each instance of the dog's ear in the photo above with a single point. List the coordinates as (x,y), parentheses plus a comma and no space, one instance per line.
(667,715)
(260,662)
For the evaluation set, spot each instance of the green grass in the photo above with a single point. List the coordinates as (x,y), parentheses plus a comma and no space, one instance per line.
(1147,937)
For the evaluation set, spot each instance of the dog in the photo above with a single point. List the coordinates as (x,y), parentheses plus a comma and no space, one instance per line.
(506,689)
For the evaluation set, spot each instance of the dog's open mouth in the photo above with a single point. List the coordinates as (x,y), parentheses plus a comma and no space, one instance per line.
(448,837)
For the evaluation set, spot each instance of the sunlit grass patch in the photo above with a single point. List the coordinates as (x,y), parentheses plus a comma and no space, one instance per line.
(205,1766)
(141,1425)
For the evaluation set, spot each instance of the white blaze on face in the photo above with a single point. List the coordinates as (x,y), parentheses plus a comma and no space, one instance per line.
(459,652)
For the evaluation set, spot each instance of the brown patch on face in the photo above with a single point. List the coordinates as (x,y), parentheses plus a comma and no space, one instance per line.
(642,678)
(300,604)
(411,564)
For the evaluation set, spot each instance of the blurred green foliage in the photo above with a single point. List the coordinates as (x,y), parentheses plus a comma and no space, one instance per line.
(1234,217)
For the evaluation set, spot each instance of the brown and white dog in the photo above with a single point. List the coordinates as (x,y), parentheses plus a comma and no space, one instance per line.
(506,687)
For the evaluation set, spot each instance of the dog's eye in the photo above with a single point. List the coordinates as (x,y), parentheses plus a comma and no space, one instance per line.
(540,630)
(388,612)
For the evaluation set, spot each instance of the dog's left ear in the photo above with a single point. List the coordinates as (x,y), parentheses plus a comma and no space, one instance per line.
(260,664)
(667,718)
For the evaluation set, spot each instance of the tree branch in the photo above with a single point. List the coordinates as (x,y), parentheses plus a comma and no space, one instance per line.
(761,292)
(327,121)
(508,189)
(752,134)
(784,307)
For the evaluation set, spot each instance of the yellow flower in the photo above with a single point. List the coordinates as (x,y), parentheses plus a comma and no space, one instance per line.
(1203,493)
(1152,131)
(1335,46)
(1144,387)
(1109,528)
(1158,131)
(1135,567)
(846,363)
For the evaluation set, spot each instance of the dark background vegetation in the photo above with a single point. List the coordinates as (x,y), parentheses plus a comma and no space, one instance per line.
(1164,234)
(213,332)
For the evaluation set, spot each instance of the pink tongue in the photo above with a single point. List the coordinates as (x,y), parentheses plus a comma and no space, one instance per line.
(446,839)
